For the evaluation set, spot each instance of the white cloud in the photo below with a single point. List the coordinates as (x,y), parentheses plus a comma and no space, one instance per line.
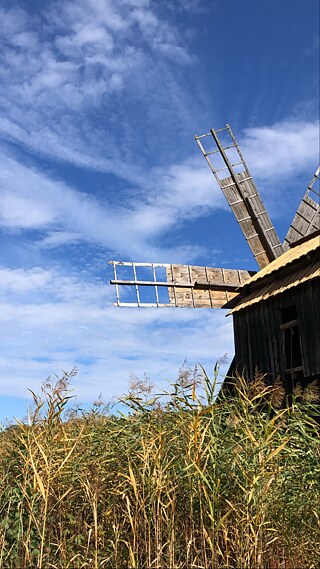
(163,197)
(74,79)
(30,199)
(60,238)
(160,36)
(77,56)
(283,149)
(20,281)
(190,186)
(53,321)
(80,56)
(64,44)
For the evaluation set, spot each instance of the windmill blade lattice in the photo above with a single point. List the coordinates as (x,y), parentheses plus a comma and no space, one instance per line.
(243,197)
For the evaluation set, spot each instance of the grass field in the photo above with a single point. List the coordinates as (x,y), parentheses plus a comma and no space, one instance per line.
(178,481)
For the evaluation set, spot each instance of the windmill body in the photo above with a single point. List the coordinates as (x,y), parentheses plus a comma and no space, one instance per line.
(276,311)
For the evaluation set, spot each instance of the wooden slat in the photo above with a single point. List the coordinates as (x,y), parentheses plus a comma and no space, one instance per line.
(244,200)
(188,286)
(204,294)
(307,218)
(252,217)
(305,222)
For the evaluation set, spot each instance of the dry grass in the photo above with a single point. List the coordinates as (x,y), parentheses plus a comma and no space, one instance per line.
(177,482)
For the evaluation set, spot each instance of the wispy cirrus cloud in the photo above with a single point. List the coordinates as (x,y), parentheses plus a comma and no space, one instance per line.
(72,63)
(32,201)
(80,50)
(161,199)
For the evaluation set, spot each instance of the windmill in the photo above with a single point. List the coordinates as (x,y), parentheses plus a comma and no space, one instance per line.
(271,350)
(209,287)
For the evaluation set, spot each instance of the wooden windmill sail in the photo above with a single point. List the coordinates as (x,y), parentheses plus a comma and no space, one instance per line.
(244,199)
(187,285)
(211,287)
(307,218)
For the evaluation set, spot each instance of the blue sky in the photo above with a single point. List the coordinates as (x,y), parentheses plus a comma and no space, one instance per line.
(100,101)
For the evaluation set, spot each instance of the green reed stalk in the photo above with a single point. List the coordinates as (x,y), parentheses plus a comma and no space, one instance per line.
(180,481)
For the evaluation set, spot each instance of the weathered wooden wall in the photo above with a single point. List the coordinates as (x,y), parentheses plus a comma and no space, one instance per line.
(259,338)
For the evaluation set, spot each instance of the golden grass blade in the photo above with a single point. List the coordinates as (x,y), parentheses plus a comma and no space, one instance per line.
(38,478)
(277,450)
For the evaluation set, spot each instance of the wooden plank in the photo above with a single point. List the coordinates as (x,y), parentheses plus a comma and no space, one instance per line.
(255,330)
(307,218)
(269,324)
(315,359)
(308,306)
(303,302)
(179,296)
(248,358)
(244,200)
(276,336)
(199,298)
(253,219)
(264,316)
(251,191)
(204,294)
(241,357)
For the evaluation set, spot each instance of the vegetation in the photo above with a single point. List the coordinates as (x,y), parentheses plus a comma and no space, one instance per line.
(179,481)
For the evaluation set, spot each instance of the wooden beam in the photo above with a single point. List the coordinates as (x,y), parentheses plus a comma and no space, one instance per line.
(196,284)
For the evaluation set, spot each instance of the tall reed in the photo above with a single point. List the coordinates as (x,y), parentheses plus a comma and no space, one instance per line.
(180,480)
